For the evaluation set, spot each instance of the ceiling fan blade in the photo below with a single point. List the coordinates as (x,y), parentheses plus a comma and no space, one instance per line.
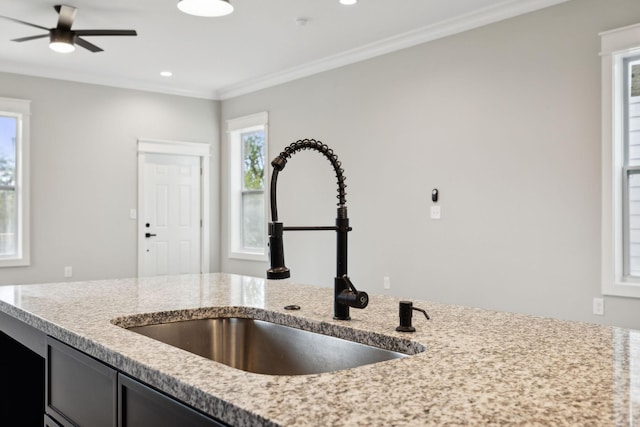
(66,15)
(106,32)
(25,23)
(85,44)
(26,39)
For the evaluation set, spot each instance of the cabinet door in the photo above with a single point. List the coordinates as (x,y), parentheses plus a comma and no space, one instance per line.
(141,406)
(21,384)
(80,391)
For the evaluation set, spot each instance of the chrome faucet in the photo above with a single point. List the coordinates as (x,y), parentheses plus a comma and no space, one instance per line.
(345,293)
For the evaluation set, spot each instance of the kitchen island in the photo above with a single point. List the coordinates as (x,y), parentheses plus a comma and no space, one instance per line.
(478,367)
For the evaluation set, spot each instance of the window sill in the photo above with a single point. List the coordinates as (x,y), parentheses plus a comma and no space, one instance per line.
(249,256)
(628,288)
(14,262)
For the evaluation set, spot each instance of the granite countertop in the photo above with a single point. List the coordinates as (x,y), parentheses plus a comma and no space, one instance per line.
(480,367)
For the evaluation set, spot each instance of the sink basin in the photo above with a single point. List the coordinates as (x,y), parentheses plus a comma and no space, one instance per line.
(265,348)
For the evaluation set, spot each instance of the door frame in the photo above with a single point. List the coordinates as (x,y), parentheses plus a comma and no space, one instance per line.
(182,148)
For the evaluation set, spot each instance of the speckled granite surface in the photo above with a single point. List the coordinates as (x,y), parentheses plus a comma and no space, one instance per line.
(479,367)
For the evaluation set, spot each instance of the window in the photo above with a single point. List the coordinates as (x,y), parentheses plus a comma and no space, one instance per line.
(621,161)
(631,164)
(14,182)
(248,177)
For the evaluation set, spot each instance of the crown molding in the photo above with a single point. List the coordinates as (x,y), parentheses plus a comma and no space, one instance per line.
(63,75)
(505,10)
(501,11)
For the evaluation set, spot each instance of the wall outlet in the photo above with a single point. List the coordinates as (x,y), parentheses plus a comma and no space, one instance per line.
(386,283)
(435,212)
(68,272)
(598,306)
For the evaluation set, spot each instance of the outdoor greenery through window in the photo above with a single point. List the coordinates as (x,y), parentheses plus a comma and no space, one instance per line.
(14,182)
(253,224)
(247,138)
(8,211)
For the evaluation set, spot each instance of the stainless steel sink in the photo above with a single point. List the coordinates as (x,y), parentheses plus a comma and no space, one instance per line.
(264,347)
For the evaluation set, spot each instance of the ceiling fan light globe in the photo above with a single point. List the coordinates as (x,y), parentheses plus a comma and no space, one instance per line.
(208,8)
(62,47)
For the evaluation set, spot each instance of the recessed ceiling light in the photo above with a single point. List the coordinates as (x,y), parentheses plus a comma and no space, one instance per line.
(166,73)
(348,2)
(209,8)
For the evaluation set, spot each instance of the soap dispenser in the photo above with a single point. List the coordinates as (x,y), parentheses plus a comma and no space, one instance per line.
(406,312)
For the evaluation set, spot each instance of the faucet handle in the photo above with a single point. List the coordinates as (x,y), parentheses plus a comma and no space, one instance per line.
(406,309)
(353,298)
(349,283)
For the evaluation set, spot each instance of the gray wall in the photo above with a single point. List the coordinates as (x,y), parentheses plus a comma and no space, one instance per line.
(84,172)
(504,120)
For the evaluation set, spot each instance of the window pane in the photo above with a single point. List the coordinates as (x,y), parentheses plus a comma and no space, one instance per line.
(253,160)
(8,126)
(253,233)
(7,223)
(8,213)
(632,71)
(635,79)
(634,224)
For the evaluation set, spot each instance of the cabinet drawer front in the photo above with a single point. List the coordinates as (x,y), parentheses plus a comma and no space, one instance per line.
(141,406)
(80,391)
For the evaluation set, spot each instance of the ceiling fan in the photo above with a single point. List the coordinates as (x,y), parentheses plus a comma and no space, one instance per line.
(62,38)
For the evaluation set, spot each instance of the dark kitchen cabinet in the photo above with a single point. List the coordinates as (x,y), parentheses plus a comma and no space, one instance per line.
(84,392)
(142,406)
(22,362)
(21,384)
(80,391)
(46,382)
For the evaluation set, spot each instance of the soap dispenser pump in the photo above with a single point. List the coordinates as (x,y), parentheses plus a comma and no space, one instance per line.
(406,312)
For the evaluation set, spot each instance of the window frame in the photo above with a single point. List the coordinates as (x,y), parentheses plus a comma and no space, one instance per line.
(628,170)
(21,109)
(616,46)
(235,128)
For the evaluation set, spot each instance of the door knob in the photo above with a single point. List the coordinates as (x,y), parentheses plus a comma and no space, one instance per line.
(147,235)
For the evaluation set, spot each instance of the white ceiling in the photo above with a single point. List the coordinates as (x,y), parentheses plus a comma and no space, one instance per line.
(257,46)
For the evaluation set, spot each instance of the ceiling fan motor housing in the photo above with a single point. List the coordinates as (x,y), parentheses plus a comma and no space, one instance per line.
(58,35)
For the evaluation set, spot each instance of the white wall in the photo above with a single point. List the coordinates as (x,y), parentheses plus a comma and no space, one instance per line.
(504,120)
(84,172)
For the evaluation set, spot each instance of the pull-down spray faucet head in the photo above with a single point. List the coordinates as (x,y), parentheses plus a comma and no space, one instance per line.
(276,253)
(278,270)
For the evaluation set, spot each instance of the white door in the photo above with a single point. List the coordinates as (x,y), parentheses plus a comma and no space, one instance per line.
(170,218)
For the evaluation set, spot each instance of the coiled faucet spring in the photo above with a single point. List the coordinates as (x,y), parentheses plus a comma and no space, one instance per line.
(311,144)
